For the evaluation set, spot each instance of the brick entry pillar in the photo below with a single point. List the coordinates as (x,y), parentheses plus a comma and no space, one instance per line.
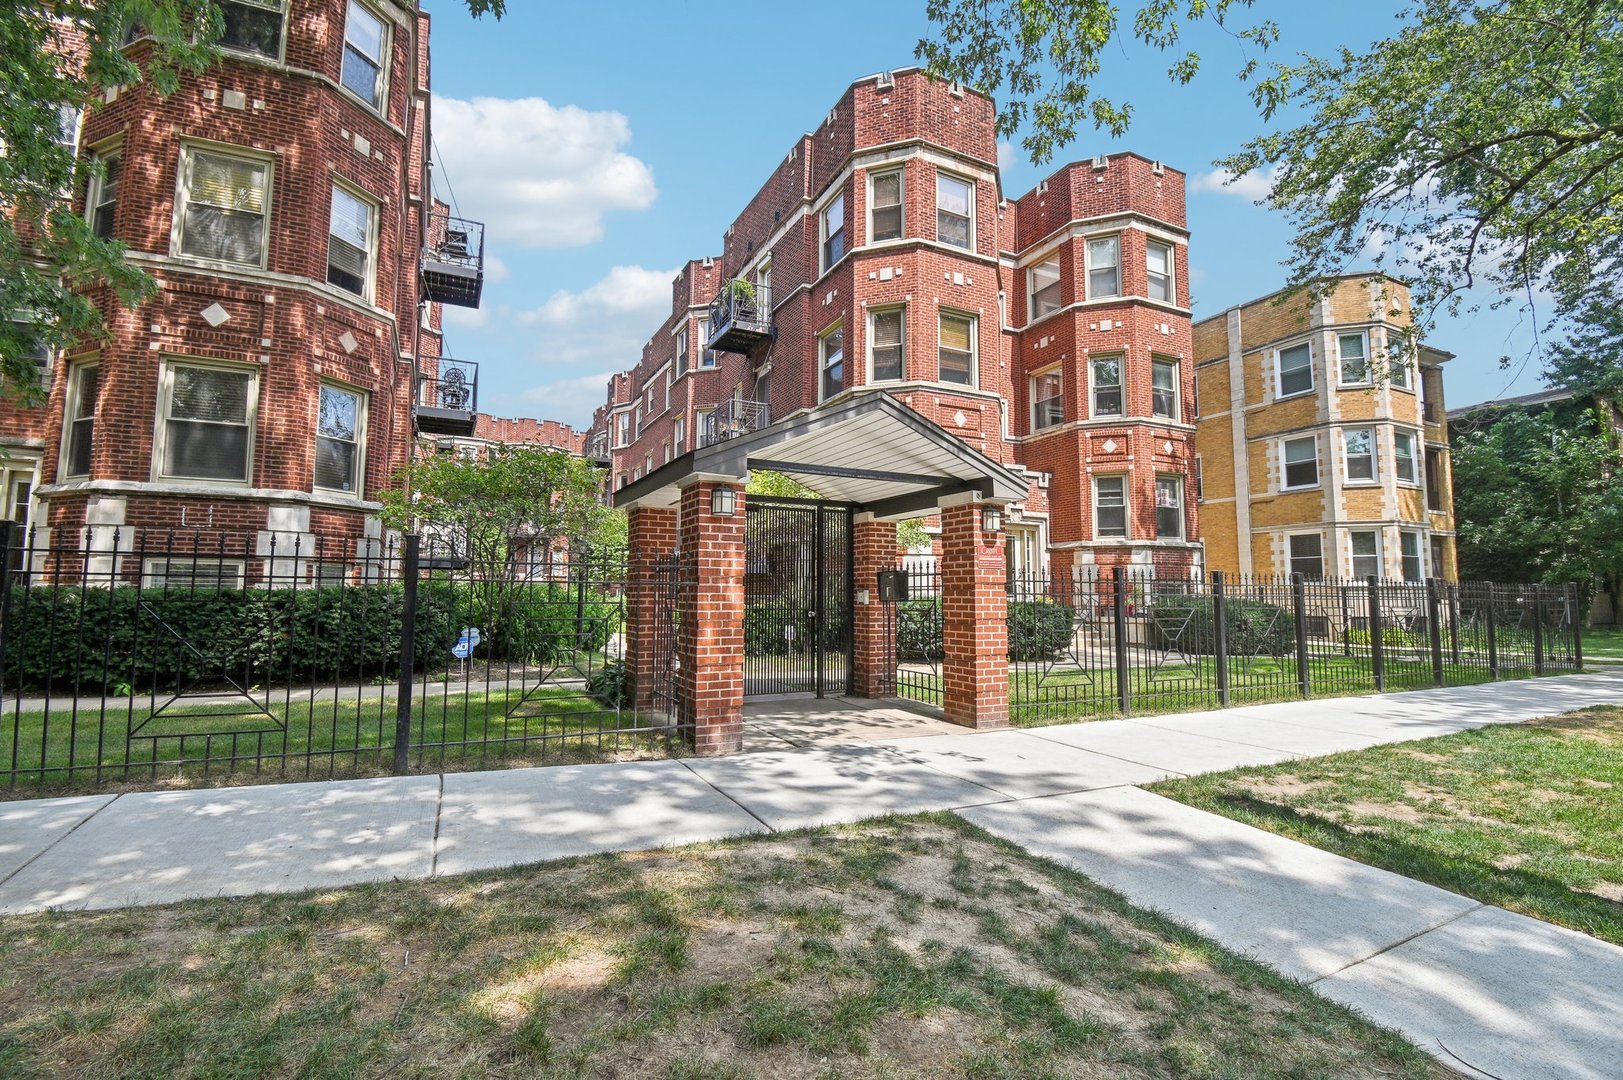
(873,634)
(710,647)
(974,616)
(650,536)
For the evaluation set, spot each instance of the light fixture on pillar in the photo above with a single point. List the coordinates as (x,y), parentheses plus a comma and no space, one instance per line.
(991,519)
(722,501)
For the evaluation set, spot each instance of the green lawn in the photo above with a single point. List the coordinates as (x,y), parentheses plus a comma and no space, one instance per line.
(1603,643)
(1526,816)
(908,947)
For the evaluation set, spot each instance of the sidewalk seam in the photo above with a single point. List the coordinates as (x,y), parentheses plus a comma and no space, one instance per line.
(48,847)
(434,845)
(1417,934)
(707,783)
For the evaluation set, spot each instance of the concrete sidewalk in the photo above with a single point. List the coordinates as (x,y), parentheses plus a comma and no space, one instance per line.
(1473,984)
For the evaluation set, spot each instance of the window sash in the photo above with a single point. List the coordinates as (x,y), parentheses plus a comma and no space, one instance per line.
(224,216)
(1045,297)
(338,428)
(707,357)
(1307,556)
(1295,370)
(82,405)
(1301,462)
(1360,445)
(1414,566)
(1158,264)
(834,231)
(954,209)
(349,242)
(362,72)
(1404,456)
(103,200)
(1398,372)
(1110,507)
(1107,400)
(885,344)
(886,206)
(1354,359)
(1047,400)
(1169,507)
(1366,554)
(1164,389)
(833,349)
(956,355)
(1104,267)
(252,26)
(206,423)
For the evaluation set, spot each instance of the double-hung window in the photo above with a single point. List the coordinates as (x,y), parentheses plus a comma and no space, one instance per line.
(338,439)
(954,211)
(1169,507)
(1109,507)
(1398,371)
(1307,555)
(1107,387)
(1354,358)
(832,347)
(1295,370)
(957,352)
(885,205)
(351,237)
(682,351)
(252,26)
(1366,554)
(1158,264)
(1164,388)
(102,198)
(207,422)
(1047,399)
(1302,462)
(1104,267)
(679,432)
(885,344)
(1360,443)
(834,231)
(1414,563)
(1044,281)
(83,380)
(225,206)
(707,355)
(365,44)
(1404,460)
(623,430)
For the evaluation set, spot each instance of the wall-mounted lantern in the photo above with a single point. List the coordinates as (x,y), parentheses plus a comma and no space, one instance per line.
(722,502)
(991,519)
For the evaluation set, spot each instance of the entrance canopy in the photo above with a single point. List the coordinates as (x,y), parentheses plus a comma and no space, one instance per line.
(871,451)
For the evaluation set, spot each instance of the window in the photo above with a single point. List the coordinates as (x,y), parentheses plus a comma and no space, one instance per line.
(1169,507)
(1302,462)
(1366,554)
(954,211)
(1354,359)
(1398,371)
(207,423)
(253,26)
(67,128)
(1107,387)
(102,198)
(1438,563)
(1414,564)
(834,231)
(1307,555)
(34,345)
(707,359)
(670,377)
(1360,454)
(682,351)
(1164,388)
(349,243)
(1104,267)
(83,381)
(885,349)
(832,347)
(623,430)
(885,206)
(1158,261)
(330,575)
(1047,399)
(665,452)
(224,208)
(338,439)
(1109,507)
(679,435)
(1434,480)
(1403,456)
(763,389)
(1295,370)
(703,429)
(192,574)
(364,40)
(636,414)
(957,352)
(1044,281)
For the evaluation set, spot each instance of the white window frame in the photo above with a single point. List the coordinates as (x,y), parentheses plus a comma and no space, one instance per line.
(974,346)
(385,46)
(1353,556)
(1056,372)
(375,208)
(160,440)
(75,391)
(1419,555)
(1285,463)
(95,192)
(183,190)
(827,360)
(700,428)
(1171,275)
(358,480)
(1280,393)
(969,183)
(679,432)
(1341,359)
(825,233)
(278,6)
(1094,386)
(1399,373)
(624,428)
(1290,554)
(1126,508)
(901,204)
(1177,389)
(707,355)
(901,346)
(1182,506)
(152,577)
(1412,477)
(1032,314)
(1374,456)
(681,348)
(1090,268)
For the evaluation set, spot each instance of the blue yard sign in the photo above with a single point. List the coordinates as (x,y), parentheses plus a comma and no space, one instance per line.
(466,643)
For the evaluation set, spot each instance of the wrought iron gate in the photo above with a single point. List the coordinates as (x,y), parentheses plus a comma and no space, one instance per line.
(797,597)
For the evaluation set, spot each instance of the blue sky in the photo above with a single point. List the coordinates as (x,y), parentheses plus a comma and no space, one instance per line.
(603,146)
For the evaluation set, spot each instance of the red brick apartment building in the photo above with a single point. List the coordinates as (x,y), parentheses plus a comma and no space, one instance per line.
(1049,332)
(291,359)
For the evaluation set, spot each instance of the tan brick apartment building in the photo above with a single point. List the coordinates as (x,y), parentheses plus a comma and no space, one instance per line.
(282,200)
(1323,450)
(1050,332)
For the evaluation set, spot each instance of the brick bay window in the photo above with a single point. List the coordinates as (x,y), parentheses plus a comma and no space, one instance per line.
(833,226)
(885,344)
(1044,282)
(1295,370)
(365,43)
(224,201)
(1047,399)
(1360,443)
(101,200)
(1307,555)
(252,26)
(1366,554)
(1158,264)
(954,211)
(1164,388)
(1169,507)
(351,238)
(831,349)
(1107,386)
(1110,507)
(339,425)
(1104,267)
(80,422)
(885,206)
(206,417)
(957,352)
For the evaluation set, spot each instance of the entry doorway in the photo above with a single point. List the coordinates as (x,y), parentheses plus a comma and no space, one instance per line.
(797,597)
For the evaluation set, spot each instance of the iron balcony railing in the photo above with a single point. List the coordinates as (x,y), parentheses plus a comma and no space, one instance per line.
(740,316)
(734,417)
(448,400)
(597,448)
(453,260)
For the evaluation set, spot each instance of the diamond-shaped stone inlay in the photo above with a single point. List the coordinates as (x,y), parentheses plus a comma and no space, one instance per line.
(1109,446)
(348,342)
(1167,446)
(214,315)
(959,418)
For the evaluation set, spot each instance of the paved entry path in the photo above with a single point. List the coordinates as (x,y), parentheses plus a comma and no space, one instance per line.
(1489,992)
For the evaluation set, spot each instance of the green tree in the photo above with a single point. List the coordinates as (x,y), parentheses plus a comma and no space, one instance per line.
(48,254)
(909,533)
(1590,359)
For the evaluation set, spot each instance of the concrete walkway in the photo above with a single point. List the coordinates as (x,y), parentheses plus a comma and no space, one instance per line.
(1476,985)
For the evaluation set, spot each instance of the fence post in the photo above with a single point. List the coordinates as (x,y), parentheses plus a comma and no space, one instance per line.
(7,532)
(1304,677)
(1538,629)
(1434,627)
(408,654)
(1454,621)
(1377,634)
(1220,627)
(1493,630)
(1124,690)
(1576,617)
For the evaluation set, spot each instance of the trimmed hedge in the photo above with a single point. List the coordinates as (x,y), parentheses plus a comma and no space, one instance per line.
(1254,628)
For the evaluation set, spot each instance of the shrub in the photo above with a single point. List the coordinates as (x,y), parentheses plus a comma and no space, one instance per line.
(918,631)
(1039,629)
(1254,628)
(609,684)
(1393,637)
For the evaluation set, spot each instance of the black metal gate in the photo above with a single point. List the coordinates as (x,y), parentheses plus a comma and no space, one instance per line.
(797,597)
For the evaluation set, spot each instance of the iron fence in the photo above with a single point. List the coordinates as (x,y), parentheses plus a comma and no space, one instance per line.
(139,655)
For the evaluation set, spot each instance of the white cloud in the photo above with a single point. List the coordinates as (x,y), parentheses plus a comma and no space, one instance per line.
(570,401)
(1253,185)
(1006,156)
(538,175)
(625,292)
(496,271)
